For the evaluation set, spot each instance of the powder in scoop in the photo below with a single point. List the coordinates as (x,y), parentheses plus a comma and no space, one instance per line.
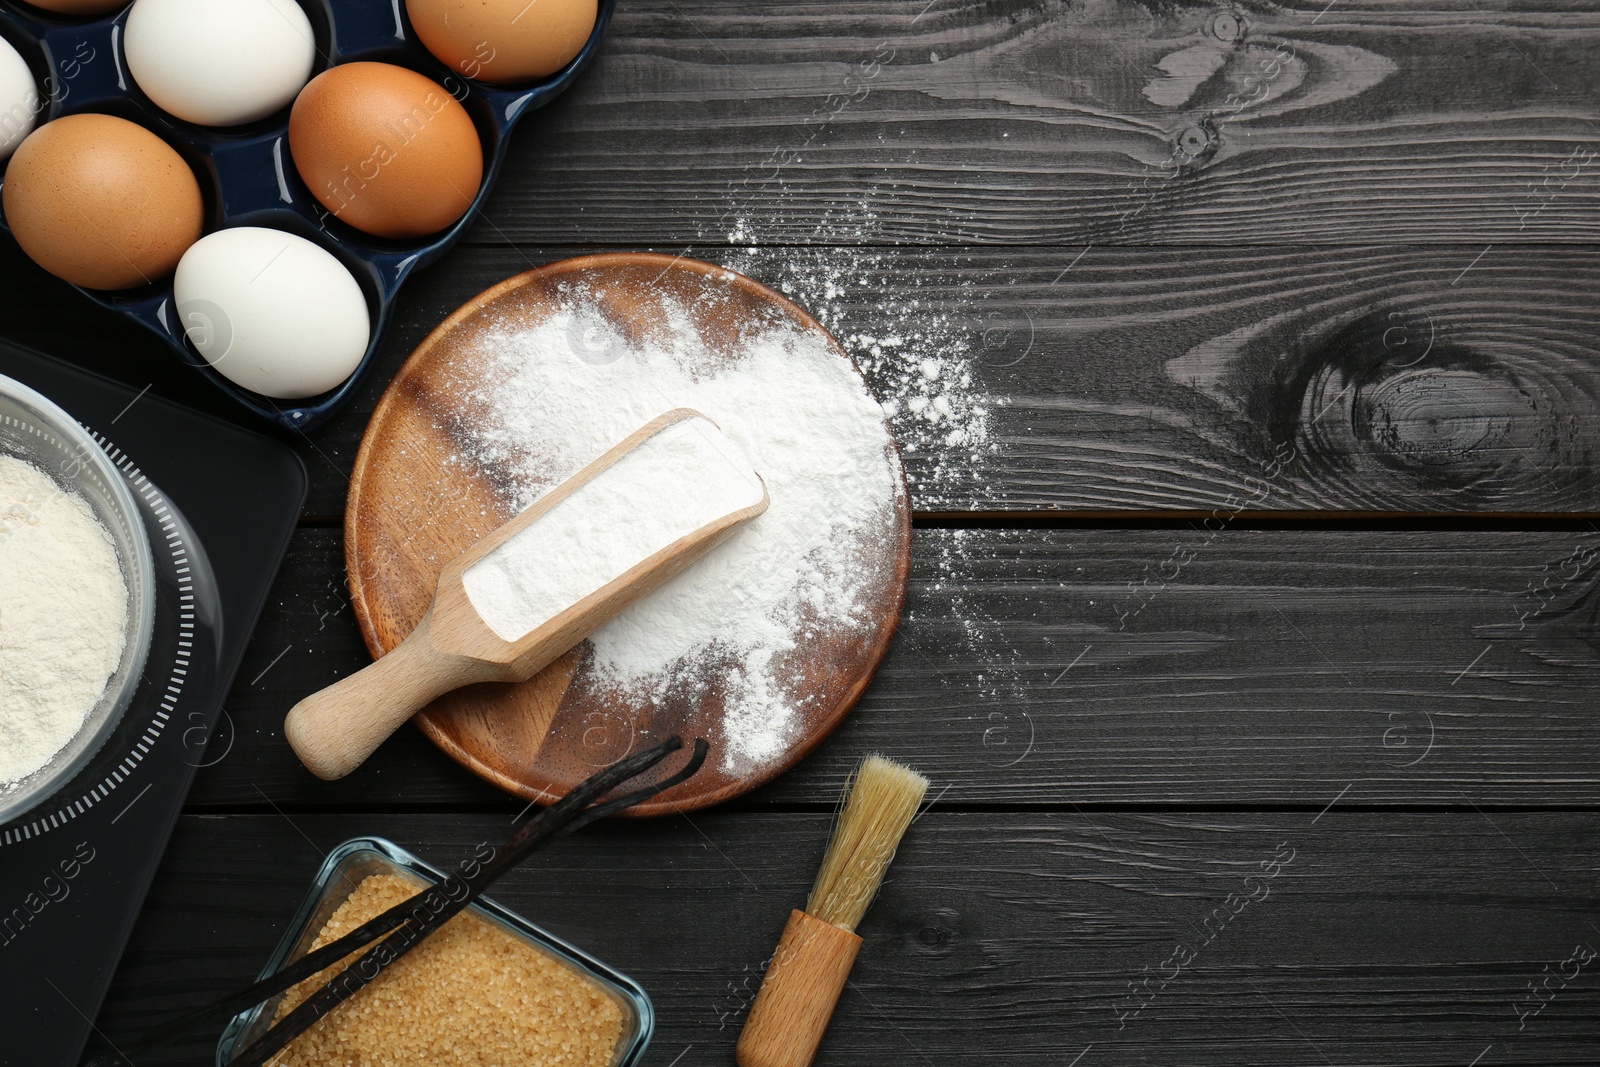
(561,389)
(679,480)
(63,616)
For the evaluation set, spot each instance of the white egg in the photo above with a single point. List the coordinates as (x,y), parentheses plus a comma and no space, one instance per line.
(219,62)
(19,98)
(272,312)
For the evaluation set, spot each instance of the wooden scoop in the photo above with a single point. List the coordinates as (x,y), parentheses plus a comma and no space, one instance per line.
(335,730)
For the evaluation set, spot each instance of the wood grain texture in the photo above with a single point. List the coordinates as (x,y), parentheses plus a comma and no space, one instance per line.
(1044,121)
(1061,667)
(1281,939)
(1179,382)
(800,987)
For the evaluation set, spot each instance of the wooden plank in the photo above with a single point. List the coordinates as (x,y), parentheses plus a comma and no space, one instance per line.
(1055,667)
(1021,121)
(1183,382)
(1282,939)
(1119,381)
(1116,380)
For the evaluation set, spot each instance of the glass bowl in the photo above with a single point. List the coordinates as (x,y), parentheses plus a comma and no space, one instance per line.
(34,429)
(352,862)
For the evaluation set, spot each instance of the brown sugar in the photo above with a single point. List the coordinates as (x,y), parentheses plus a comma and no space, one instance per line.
(472,995)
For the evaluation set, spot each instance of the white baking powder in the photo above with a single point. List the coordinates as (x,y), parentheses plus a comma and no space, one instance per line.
(559,391)
(63,616)
(679,480)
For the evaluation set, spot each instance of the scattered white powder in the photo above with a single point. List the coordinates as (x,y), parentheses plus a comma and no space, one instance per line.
(921,327)
(63,616)
(679,480)
(925,329)
(561,390)
(921,338)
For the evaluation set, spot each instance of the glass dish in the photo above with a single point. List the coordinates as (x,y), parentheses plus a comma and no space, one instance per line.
(350,863)
(34,429)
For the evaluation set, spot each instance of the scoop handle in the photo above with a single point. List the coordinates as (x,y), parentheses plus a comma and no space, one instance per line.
(333,731)
(802,984)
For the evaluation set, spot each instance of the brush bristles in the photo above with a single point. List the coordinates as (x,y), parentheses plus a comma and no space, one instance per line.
(879,804)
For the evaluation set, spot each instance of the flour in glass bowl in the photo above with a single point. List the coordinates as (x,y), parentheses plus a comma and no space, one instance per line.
(63,617)
(560,391)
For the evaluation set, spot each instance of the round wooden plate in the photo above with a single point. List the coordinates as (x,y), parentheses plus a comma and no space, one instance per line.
(416,502)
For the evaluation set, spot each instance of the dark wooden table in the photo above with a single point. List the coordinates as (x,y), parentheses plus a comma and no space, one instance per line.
(1254,662)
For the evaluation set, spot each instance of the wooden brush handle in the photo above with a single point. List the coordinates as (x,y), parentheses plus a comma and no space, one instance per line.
(333,731)
(802,984)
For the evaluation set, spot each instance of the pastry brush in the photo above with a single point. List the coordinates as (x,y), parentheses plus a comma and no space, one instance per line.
(813,959)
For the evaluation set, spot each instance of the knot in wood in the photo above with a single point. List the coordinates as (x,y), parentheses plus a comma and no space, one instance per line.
(932,932)
(1195,144)
(1396,413)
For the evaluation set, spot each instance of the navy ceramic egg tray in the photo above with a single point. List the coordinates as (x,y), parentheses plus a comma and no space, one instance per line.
(246,174)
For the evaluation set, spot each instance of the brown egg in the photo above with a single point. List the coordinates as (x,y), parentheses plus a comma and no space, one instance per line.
(80,7)
(101,202)
(385,149)
(503,41)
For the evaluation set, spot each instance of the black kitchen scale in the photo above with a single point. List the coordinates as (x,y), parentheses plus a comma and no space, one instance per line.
(219,506)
